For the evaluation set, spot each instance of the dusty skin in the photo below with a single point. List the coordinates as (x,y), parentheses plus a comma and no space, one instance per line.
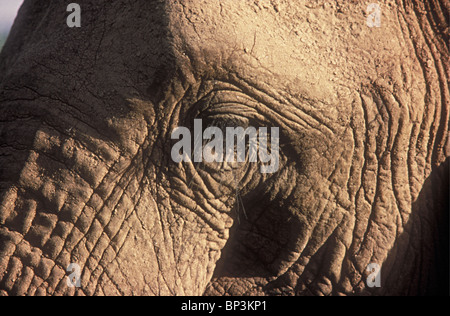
(86,174)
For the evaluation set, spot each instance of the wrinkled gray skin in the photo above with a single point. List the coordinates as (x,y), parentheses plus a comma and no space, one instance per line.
(86,175)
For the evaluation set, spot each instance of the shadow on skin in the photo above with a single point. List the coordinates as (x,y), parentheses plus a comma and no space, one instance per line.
(269,232)
(428,232)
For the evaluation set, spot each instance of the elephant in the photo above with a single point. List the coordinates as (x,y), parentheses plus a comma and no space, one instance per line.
(357,206)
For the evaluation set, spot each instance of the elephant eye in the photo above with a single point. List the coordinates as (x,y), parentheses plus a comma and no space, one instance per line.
(222,121)
(225,128)
(226,106)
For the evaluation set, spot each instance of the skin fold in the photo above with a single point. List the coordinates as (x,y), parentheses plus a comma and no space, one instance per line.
(86,175)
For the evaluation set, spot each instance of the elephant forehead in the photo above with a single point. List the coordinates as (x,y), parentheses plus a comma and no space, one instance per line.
(310,45)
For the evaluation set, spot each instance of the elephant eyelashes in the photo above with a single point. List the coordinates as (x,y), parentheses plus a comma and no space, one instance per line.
(223,128)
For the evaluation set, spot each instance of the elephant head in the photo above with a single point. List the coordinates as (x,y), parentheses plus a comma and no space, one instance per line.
(87,116)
